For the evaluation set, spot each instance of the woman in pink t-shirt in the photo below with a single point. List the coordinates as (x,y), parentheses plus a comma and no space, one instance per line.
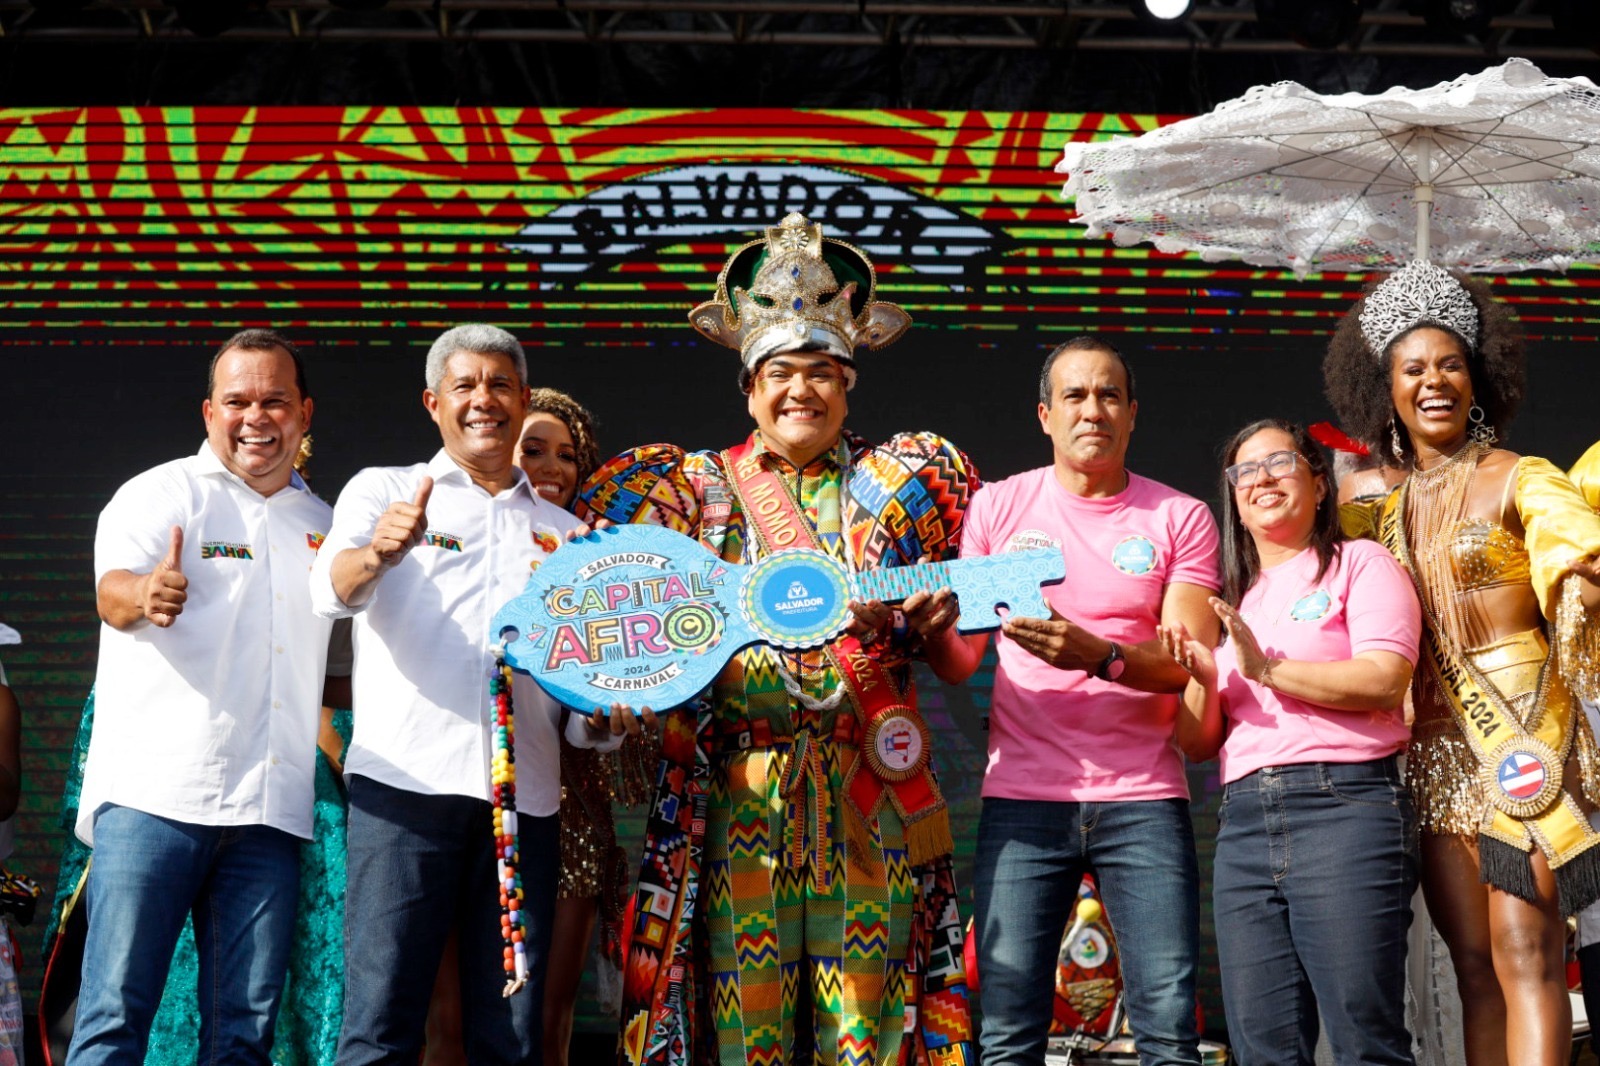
(1316,856)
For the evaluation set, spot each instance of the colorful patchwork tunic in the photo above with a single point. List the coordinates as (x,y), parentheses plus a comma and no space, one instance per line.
(772,923)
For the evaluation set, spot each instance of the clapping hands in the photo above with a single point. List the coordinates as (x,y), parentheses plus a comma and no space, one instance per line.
(1189,653)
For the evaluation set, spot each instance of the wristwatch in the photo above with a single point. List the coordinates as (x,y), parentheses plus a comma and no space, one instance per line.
(1112,666)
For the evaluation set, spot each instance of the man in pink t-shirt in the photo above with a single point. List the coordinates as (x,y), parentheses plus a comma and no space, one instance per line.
(1083,769)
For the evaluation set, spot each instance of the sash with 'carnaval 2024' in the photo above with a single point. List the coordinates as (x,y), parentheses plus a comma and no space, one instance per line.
(1522,759)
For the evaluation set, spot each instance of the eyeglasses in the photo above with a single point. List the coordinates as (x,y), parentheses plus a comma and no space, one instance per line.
(1276,465)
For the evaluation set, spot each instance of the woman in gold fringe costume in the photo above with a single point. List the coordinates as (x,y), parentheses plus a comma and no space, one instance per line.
(1427,369)
(558,454)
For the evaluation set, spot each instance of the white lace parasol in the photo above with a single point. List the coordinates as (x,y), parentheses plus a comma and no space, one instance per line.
(1508,159)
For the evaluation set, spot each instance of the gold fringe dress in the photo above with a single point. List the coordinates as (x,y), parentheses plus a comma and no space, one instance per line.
(1559,526)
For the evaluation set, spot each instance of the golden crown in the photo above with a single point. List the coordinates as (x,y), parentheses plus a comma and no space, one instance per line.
(793,301)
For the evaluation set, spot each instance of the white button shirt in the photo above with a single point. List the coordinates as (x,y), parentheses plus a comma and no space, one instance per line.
(212,720)
(421,681)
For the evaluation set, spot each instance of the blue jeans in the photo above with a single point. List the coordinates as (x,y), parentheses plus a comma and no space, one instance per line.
(148,873)
(1031,855)
(419,867)
(1316,866)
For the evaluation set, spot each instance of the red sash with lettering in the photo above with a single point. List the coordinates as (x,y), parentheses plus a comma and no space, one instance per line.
(895,743)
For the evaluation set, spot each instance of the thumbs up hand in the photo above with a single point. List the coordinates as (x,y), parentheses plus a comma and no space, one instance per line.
(400,528)
(165,587)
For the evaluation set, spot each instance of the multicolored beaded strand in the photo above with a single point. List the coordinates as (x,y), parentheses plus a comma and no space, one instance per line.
(503,777)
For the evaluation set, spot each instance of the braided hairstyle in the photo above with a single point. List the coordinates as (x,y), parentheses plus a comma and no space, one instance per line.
(579,422)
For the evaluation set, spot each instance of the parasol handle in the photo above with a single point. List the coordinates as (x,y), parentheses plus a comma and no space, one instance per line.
(1422,192)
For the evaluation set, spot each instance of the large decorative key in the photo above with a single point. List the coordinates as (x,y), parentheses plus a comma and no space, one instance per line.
(648,617)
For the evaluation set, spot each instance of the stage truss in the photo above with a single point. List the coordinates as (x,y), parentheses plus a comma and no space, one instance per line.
(1388,28)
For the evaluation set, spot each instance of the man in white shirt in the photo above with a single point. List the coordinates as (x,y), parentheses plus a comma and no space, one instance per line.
(198,785)
(422,556)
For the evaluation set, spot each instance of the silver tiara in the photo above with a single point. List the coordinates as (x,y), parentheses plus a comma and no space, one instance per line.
(1419,293)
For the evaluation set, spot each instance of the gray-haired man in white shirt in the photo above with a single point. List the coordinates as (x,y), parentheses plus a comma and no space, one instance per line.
(198,786)
(422,556)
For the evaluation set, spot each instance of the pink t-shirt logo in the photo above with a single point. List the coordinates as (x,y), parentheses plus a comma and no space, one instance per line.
(1312,607)
(1026,539)
(1134,555)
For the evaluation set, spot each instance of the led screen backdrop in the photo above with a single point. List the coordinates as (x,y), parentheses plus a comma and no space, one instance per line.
(133,240)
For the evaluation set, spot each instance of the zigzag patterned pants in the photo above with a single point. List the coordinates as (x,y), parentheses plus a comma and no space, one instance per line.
(844,930)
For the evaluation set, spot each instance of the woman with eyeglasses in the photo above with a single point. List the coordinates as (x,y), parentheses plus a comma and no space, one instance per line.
(1316,857)
(1502,550)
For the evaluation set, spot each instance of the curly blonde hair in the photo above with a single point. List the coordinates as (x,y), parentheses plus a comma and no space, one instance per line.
(579,422)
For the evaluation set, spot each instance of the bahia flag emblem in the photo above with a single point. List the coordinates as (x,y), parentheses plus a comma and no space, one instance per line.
(900,742)
(1521,775)
(896,746)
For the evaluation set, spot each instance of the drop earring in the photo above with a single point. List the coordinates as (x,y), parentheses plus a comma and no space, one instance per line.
(1480,431)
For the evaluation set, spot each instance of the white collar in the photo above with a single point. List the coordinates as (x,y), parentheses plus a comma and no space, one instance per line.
(209,462)
(441,466)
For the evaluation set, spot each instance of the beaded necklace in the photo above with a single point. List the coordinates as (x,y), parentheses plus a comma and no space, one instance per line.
(503,778)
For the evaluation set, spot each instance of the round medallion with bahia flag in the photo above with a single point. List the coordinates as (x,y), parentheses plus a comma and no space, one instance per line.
(1523,777)
(797,598)
(896,745)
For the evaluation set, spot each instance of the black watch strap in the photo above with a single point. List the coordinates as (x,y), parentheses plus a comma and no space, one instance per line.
(1111,667)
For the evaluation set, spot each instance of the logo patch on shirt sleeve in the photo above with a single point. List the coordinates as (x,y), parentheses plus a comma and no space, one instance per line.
(1312,606)
(1134,555)
(218,549)
(435,538)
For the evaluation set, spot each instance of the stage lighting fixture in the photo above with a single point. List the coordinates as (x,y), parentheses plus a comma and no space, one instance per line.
(1162,10)
(1312,23)
(1577,21)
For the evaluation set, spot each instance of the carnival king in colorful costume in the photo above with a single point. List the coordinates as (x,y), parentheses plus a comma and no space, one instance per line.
(796,897)
(1500,748)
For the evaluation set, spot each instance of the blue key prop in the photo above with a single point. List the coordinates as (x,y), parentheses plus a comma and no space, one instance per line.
(646,616)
